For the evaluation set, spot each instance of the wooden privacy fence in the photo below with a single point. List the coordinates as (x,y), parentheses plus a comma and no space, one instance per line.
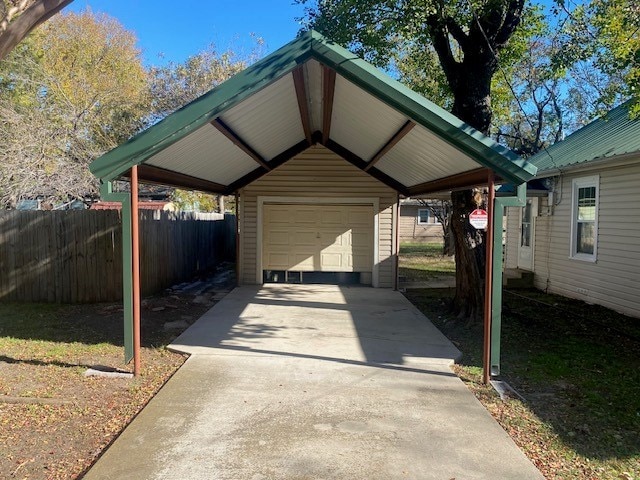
(76,256)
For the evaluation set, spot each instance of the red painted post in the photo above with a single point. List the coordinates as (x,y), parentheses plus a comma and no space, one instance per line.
(135,258)
(488,280)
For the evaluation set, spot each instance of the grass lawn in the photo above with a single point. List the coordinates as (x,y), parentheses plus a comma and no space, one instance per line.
(419,262)
(54,421)
(577,366)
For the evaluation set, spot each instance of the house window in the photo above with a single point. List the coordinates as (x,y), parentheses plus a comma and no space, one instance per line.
(584,218)
(423,216)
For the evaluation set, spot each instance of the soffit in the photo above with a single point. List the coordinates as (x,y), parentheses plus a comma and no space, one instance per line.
(254,122)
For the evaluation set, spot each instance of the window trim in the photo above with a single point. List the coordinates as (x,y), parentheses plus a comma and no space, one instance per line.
(428,216)
(576,185)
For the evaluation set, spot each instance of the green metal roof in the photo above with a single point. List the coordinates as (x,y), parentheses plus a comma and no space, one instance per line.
(311,45)
(611,135)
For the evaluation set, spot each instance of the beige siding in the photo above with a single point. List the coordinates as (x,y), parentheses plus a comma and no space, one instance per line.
(411,231)
(614,279)
(512,236)
(315,173)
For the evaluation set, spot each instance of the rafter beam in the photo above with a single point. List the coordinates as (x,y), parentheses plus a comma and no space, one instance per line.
(460,180)
(393,141)
(278,160)
(358,162)
(328,91)
(303,105)
(151,174)
(239,142)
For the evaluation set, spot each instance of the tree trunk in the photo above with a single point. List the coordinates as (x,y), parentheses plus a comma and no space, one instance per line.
(472,94)
(472,104)
(469,245)
(449,245)
(35,14)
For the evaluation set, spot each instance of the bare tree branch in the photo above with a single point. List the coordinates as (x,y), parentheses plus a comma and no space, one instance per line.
(440,38)
(13,31)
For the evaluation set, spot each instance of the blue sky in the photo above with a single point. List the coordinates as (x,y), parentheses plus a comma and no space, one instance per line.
(179,29)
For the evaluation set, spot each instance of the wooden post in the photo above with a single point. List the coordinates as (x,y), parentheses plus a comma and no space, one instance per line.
(135,254)
(488,280)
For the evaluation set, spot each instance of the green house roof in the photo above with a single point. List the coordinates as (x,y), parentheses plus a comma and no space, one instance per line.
(611,135)
(371,108)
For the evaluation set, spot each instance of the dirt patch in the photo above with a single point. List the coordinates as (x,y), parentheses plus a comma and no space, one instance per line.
(67,418)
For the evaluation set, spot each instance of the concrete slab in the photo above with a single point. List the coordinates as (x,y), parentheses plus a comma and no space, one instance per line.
(318,321)
(314,382)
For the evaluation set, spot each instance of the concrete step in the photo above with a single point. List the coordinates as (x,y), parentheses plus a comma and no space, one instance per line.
(515,278)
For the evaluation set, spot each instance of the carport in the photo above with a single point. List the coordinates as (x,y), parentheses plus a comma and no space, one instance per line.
(318,146)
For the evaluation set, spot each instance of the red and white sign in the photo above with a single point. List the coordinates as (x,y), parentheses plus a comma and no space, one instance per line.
(479,219)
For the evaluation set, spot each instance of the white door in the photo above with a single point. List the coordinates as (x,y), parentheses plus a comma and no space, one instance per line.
(321,238)
(528,215)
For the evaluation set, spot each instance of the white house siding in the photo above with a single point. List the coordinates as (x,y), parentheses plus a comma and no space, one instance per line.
(512,236)
(614,279)
(317,172)
(412,231)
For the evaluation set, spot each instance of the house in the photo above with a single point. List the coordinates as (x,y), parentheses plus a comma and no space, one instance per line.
(318,146)
(418,223)
(581,237)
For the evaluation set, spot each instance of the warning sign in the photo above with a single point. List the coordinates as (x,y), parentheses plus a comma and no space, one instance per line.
(479,219)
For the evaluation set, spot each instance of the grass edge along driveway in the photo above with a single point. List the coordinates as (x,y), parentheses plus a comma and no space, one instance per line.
(577,367)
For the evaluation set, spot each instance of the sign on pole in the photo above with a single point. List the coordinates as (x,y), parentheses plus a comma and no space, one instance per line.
(479,219)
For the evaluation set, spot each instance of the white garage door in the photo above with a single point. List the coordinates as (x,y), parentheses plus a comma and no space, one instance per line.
(321,238)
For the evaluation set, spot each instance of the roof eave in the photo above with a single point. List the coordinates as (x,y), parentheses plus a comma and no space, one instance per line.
(461,135)
(284,60)
(202,110)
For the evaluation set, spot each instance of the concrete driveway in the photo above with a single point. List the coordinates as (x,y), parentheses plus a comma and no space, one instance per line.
(314,382)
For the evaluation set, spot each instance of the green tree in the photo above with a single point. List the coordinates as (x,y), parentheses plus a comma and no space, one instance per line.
(189,200)
(601,49)
(469,38)
(74,89)
(528,94)
(176,84)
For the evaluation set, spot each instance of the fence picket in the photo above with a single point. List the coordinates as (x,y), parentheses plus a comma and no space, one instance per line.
(76,256)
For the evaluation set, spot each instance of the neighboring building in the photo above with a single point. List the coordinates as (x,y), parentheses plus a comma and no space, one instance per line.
(418,222)
(582,238)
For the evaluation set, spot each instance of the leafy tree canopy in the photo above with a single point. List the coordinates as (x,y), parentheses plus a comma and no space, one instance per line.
(467,37)
(75,88)
(602,39)
(174,85)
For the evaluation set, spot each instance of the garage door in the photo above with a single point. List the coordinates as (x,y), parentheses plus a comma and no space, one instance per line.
(322,238)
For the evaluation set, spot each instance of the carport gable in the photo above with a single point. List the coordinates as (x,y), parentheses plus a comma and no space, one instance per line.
(312,91)
(309,92)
